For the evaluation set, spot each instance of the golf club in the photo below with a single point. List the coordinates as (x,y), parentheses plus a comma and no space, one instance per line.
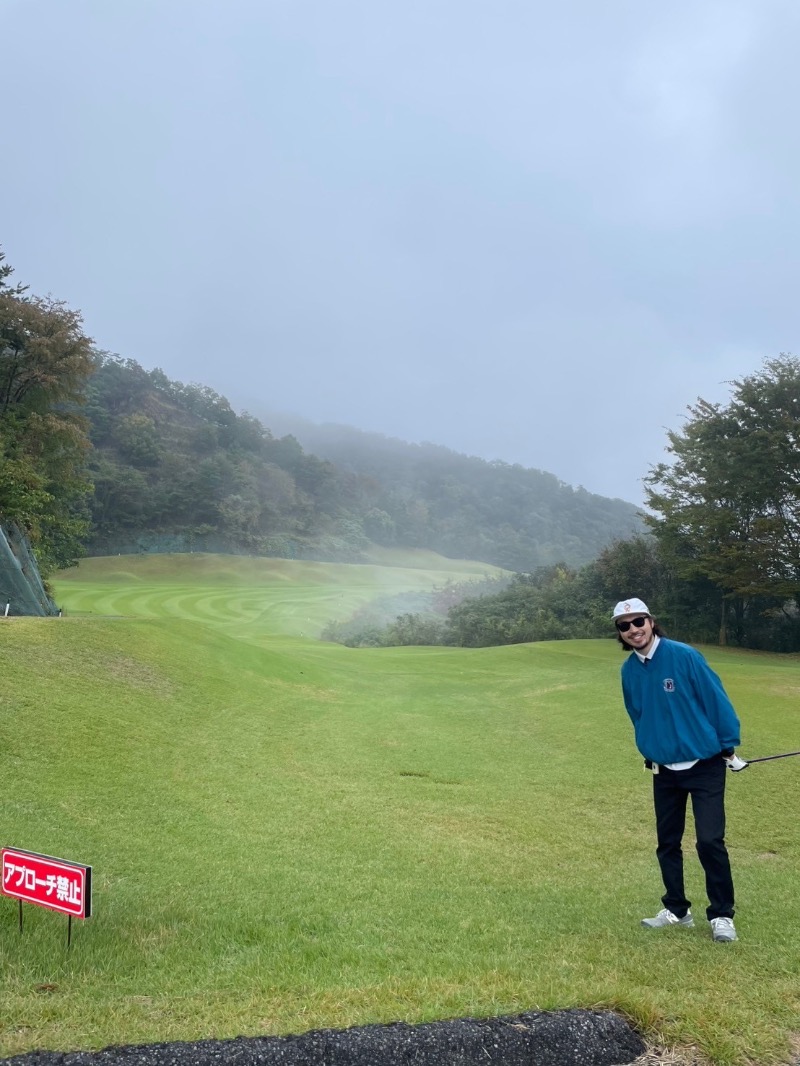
(769,758)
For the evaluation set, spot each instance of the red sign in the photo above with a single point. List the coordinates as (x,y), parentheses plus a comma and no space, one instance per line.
(54,883)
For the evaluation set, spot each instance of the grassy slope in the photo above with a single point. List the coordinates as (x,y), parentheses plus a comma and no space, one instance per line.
(287,834)
(248,597)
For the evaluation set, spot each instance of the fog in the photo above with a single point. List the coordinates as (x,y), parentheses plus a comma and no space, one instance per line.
(531,232)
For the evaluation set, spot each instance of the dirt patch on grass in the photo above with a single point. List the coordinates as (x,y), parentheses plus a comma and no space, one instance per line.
(134,673)
(674,1056)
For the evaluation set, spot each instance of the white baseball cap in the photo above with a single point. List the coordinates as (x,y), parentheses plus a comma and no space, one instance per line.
(631,606)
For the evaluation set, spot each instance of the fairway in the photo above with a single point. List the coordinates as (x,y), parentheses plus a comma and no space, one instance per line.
(253,597)
(289,834)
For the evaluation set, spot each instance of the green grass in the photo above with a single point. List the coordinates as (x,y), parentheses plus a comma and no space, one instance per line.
(253,597)
(288,834)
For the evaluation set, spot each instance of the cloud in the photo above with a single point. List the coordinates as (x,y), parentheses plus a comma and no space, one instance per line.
(517,230)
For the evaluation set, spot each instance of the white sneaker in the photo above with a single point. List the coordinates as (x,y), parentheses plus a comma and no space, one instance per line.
(666,917)
(723,930)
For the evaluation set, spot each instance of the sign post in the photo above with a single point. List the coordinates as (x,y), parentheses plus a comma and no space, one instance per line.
(57,884)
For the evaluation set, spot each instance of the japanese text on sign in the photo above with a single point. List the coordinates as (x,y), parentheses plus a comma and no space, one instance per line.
(48,882)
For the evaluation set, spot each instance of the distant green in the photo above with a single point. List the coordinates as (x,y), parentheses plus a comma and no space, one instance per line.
(288,834)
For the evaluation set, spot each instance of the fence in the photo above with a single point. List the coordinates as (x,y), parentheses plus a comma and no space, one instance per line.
(22,591)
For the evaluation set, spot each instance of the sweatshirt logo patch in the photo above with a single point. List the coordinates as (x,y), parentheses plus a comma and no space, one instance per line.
(669,684)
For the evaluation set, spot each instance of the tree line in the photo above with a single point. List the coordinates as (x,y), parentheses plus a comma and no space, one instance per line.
(174,465)
(426,495)
(720,562)
(567,603)
(103,456)
(100,455)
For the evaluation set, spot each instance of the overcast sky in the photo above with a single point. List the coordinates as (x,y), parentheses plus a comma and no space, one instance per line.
(528,231)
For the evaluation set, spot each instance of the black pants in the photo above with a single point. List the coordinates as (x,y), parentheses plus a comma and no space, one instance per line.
(705,783)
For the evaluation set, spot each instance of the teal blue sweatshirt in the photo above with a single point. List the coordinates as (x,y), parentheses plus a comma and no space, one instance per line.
(677,704)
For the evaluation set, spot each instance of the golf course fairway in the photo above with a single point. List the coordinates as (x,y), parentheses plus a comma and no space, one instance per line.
(287,834)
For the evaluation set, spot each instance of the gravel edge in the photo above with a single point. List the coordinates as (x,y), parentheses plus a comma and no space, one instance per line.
(538,1038)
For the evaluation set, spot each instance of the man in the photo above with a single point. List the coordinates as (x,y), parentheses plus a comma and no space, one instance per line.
(686,729)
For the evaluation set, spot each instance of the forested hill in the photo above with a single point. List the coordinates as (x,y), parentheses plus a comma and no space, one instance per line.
(475,506)
(174,468)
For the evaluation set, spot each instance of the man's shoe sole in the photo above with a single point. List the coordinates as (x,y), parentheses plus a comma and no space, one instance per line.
(670,925)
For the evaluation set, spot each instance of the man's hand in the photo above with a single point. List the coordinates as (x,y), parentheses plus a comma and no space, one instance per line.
(733,762)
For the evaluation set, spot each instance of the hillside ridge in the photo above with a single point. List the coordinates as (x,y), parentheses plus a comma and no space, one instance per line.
(176,469)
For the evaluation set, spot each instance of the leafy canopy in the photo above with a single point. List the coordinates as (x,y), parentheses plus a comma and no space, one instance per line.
(45,362)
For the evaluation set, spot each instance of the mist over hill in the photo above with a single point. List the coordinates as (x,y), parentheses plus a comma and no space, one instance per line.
(175,468)
(518,504)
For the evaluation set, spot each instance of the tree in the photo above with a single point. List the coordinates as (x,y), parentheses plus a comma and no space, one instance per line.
(5,273)
(137,439)
(45,357)
(727,509)
(626,568)
(45,361)
(543,605)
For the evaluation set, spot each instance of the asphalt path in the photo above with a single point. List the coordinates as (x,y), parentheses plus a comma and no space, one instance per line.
(539,1038)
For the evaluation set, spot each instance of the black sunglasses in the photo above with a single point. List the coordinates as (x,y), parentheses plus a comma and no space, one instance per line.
(623,627)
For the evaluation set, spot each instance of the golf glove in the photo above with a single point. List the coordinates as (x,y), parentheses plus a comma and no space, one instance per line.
(733,762)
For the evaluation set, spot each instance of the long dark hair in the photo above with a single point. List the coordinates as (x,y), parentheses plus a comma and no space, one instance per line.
(657,632)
